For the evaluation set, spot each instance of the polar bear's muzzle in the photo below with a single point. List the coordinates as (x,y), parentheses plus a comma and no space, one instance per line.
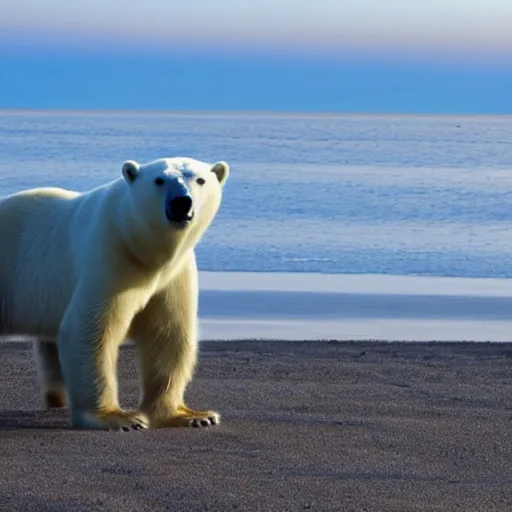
(180,209)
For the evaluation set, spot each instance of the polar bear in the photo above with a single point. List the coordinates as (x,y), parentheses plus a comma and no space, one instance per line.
(82,272)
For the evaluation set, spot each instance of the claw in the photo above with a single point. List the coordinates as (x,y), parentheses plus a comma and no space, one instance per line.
(202,422)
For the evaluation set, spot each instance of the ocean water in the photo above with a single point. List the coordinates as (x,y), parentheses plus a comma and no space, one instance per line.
(331,194)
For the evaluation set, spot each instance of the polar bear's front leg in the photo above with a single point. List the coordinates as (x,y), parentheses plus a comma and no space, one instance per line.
(89,340)
(166,359)
(165,333)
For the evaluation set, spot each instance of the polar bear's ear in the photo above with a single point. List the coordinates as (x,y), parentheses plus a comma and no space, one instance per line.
(221,170)
(130,170)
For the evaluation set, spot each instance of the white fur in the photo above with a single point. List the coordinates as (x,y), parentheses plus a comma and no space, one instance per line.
(89,270)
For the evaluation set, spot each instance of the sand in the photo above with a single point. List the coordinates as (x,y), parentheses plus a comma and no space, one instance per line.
(349,426)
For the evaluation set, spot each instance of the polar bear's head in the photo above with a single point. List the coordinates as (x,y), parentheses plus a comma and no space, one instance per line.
(175,193)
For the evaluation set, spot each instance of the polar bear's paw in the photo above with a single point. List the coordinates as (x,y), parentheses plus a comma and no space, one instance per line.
(188,418)
(112,420)
(200,418)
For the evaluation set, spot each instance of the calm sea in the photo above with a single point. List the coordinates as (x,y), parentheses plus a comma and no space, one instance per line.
(333,194)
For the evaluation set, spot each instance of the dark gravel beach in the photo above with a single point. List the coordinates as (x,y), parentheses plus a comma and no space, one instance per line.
(348,426)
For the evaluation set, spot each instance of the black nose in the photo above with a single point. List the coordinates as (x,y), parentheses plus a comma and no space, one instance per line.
(180,208)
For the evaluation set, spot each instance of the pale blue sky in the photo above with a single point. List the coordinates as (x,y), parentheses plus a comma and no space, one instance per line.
(386,47)
(330,23)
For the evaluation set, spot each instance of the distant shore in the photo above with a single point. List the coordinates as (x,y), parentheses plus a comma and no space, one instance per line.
(341,426)
(299,306)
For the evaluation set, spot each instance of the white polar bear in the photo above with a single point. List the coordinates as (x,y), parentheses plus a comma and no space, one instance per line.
(81,272)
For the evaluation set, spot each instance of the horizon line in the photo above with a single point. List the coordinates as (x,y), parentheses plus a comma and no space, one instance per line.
(241,112)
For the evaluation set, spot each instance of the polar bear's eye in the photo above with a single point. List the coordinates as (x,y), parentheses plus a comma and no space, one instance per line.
(200,181)
(159,181)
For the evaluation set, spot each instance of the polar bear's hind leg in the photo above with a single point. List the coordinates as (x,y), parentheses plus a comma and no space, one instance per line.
(49,373)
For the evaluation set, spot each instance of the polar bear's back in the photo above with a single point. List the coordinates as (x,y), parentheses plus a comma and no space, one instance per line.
(34,254)
(31,216)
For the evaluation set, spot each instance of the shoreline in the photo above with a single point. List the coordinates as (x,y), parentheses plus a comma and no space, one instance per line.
(295,306)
